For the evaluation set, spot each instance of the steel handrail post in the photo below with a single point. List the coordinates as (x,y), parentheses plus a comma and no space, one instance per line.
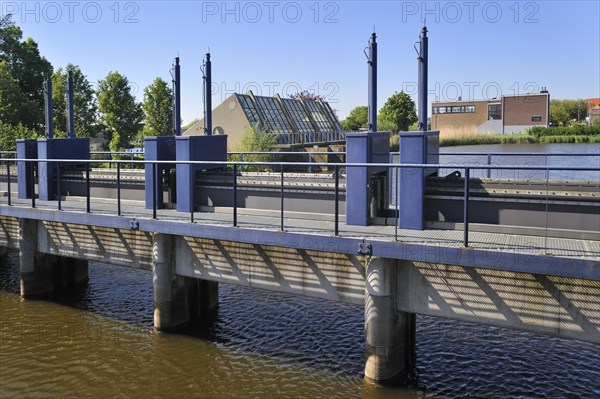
(87,185)
(118,188)
(234,195)
(154,173)
(336,200)
(282,178)
(466,209)
(58,191)
(8,182)
(32,183)
(397,190)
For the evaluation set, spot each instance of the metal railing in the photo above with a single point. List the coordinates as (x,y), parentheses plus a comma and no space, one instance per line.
(310,156)
(281,166)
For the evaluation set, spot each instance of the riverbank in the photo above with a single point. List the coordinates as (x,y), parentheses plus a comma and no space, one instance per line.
(537,135)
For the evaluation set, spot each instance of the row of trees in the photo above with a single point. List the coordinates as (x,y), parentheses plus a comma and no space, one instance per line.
(567,112)
(110,109)
(397,114)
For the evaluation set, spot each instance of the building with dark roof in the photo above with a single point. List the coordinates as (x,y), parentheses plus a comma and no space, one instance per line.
(295,122)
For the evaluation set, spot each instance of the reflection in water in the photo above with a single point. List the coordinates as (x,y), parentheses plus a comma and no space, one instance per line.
(99,342)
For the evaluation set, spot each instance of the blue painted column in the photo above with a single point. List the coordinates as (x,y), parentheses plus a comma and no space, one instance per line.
(161,148)
(196,148)
(58,149)
(363,148)
(415,148)
(26,149)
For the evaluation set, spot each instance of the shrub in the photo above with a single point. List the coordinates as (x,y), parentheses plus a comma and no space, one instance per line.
(256,139)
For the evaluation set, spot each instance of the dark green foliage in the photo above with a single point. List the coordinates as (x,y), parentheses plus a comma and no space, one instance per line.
(120,113)
(357,119)
(158,109)
(84,99)
(397,114)
(576,130)
(10,133)
(28,68)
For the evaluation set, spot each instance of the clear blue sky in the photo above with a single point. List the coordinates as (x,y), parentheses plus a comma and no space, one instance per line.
(478,49)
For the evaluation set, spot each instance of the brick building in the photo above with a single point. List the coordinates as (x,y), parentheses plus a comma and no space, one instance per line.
(506,115)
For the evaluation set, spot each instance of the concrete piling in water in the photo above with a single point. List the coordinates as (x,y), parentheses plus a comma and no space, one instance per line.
(178,300)
(389,339)
(42,273)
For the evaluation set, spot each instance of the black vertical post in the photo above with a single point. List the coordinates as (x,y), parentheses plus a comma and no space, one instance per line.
(48,107)
(192,195)
(466,209)
(154,167)
(32,183)
(8,181)
(397,204)
(234,195)
(87,185)
(58,187)
(177,99)
(118,188)
(281,197)
(208,96)
(372,62)
(423,50)
(337,200)
(70,107)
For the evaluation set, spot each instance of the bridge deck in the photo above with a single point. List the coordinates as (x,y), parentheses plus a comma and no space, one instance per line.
(323,225)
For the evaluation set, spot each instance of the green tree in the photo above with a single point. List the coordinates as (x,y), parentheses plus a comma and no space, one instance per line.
(158,109)
(85,108)
(566,112)
(357,119)
(10,97)
(28,68)
(255,139)
(9,134)
(119,112)
(398,113)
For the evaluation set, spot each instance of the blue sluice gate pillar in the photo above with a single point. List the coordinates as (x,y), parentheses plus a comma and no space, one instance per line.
(415,148)
(76,149)
(363,148)
(196,148)
(161,148)
(26,149)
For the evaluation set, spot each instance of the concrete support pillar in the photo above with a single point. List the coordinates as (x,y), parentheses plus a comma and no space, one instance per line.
(177,300)
(203,299)
(389,334)
(41,273)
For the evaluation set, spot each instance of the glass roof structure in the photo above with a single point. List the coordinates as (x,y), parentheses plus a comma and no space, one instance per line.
(294,121)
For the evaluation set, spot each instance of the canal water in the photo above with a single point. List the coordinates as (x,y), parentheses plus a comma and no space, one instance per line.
(587,156)
(99,342)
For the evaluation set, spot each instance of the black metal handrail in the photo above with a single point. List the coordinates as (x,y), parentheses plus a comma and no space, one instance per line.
(281,166)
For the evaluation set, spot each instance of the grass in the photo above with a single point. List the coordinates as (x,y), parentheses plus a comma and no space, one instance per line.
(454,136)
